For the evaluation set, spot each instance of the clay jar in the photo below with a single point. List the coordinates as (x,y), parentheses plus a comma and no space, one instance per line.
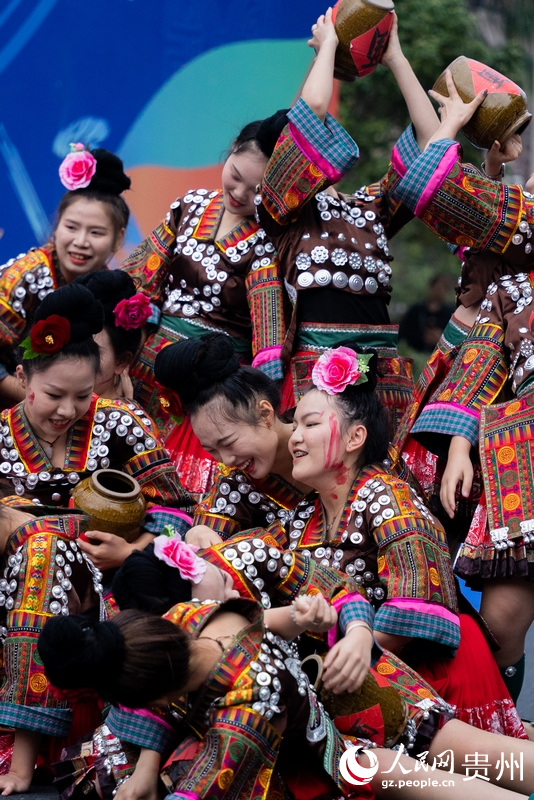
(503,112)
(362,27)
(113,501)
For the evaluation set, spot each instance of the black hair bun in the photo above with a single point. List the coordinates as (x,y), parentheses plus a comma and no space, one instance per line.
(110,286)
(190,366)
(269,131)
(148,584)
(109,177)
(77,304)
(80,652)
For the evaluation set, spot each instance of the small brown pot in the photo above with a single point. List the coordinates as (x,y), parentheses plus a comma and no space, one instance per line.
(113,501)
(362,27)
(503,112)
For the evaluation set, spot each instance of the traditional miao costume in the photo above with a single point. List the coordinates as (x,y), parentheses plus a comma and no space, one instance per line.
(203,283)
(238,502)
(44,574)
(24,283)
(334,255)
(258,679)
(112,433)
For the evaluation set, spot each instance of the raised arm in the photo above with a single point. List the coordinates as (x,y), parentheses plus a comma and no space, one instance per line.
(453,111)
(319,85)
(421,110)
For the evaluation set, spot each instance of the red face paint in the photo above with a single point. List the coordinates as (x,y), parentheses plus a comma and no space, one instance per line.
(31,398)
(333,445)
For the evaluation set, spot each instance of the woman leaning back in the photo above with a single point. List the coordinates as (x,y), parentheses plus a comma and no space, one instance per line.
(62,432)
(91,221)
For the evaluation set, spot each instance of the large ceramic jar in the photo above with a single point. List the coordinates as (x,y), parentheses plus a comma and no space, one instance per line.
(113,501)
(362,27)
(503,112)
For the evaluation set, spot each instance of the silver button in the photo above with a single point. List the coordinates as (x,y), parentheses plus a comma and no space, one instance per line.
(356,283)
(370,284)
(305,279)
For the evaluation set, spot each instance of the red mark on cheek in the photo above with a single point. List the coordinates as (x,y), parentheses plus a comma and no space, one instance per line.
(331,459)
(31,398)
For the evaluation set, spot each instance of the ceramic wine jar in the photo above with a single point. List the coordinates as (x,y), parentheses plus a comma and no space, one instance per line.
(503,112)
(114,502)
(362,27)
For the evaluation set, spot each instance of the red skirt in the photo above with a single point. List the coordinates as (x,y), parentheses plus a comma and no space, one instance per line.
(472,684)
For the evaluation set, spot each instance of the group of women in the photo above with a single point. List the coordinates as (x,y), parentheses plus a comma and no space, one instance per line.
(291,594)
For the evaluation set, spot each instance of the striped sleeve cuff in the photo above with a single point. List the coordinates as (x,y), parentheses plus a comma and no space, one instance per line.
(141,730)
(406,151)
(433,623)
(350,607)
(448,419)
(329,140)
(49,721)
(426,175)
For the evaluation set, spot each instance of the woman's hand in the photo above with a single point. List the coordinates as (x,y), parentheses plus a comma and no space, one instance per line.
(393,52)
(143,784)
(202,536)
(314,613)
(459,469)
(323,32)
(496,157)
(108,551)
(347,662)
(454,113)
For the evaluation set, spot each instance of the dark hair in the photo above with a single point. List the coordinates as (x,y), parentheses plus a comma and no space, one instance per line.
(147,583)
(86,316)
(132,660)
(202,369)
(110,287)
(107,184)
(260,135)
(361,404)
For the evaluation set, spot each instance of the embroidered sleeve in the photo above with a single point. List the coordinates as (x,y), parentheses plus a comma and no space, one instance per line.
(148,265)
(414,566)
(308,155)
(476,378)
(234,505)
(143,728)
(462,206)
(135,448)
(265,293)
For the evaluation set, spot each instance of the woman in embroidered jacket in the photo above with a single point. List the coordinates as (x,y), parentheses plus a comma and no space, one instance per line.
(210,267)
(333,248)
(494,221)
(90,226)
(240,686)
(62,432)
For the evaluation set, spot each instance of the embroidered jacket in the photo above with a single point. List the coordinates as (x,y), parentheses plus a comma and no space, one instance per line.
(44,574)
(237,502)
(24,283)
(229,284)
(112,433)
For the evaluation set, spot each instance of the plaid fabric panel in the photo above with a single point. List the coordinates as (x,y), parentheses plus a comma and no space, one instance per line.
(155,521)
(141,730)
(407,146)
(390,619)
(148,264)
(273,369)
(446,420)
(50,721)
(351,611)
(330,139)
(416,179)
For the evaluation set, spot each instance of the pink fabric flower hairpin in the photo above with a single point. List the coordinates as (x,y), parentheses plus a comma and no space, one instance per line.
(340,367)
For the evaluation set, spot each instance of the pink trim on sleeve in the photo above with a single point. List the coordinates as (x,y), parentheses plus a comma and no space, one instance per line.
(438,176)
(397,162)
(313,155)
(355,597)
(175,511)
(144,712)
(268,354)
(422,607)
(472,411)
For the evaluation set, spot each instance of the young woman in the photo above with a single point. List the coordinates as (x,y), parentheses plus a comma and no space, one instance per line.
(62,432)
(90,224)
(333,248)
(233,412)
(495,222)
(125,315)
(239,685)
(210,267)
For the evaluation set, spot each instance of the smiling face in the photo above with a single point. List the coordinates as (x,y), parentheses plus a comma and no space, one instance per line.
(215,585)
(85,237)
(242,172)
(110,365)
(323,451)
(59,396)
(252,448)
